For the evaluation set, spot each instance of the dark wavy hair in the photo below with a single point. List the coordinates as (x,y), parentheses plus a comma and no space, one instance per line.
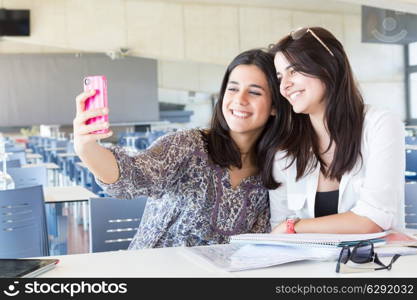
(344,113)
(221,147)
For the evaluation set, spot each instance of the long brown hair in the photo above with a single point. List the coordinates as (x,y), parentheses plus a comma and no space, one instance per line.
(344,113)
(222,149)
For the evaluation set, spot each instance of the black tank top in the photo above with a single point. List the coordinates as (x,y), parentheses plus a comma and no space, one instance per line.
(326,203)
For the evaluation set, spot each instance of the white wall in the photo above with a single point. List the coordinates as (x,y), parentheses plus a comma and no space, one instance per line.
(378,68)
(194,40)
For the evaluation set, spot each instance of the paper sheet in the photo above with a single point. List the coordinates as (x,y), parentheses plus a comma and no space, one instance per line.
(238,257)
(303,238)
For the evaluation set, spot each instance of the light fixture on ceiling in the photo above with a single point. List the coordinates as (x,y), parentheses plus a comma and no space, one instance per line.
(118,54)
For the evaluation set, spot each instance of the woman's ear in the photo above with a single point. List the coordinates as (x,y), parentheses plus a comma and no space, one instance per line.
(273,111)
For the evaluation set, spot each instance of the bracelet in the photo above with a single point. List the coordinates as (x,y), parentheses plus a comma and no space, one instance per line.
(290,225)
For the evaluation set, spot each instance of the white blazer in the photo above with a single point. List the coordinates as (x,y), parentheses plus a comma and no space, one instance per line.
(374,190)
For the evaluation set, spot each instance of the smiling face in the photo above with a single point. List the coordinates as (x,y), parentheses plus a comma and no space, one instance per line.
(305,93)
(247,103)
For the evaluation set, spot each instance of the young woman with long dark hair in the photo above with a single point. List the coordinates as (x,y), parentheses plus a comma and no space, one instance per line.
(203,185)
(342,167)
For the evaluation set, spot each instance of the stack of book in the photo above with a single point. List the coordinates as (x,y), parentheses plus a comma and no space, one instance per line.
(251,251)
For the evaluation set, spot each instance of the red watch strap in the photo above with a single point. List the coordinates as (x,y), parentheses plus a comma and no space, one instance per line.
(290,225)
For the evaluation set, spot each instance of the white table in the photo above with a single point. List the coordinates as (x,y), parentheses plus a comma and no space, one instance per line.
(49,166)
(64,155)
(55,194)
(81,164)
(179,262)
(34,157)
(56,149)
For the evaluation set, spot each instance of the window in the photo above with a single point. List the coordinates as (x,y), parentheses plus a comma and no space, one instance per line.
(412,50)
(413,95)
(411,82)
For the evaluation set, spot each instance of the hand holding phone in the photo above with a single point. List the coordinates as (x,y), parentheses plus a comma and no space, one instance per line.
(98,100)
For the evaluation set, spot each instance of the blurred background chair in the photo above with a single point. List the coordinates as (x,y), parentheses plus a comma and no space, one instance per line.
(25,177)
(21,156)
(410,202)
(411,140)
(141,143)
(154,135)
(55,147)
(23,231)
(15,148)
(114,222)
(94,187)
(15,163)
(411,165)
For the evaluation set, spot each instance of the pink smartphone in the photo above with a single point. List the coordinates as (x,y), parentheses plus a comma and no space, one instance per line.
(99,100)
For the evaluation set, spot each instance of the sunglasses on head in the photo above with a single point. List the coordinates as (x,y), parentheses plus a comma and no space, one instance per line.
(299,33)
(361,253)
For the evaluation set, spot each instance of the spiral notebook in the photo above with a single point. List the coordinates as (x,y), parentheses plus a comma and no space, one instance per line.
(310,239)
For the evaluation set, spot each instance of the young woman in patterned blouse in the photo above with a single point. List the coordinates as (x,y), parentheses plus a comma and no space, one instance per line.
(202,185)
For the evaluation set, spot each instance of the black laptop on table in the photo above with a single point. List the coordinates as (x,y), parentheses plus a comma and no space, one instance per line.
(21,267)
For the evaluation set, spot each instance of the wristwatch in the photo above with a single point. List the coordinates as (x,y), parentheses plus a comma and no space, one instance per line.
(290,224)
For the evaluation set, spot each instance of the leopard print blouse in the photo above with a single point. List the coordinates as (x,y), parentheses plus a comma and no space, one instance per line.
(190,200)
